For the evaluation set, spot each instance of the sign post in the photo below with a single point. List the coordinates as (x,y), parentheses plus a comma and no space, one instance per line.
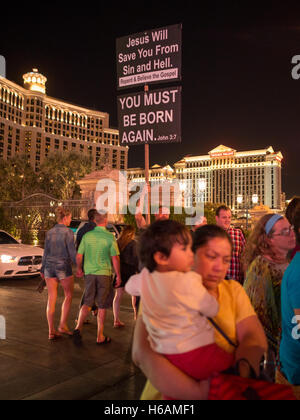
(147,172)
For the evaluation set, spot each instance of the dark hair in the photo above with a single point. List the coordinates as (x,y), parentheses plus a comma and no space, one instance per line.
(222,208)
(206,233)
(61,213)
(292,209)
(91,214)
(297,224)
(127,236)
(293,215)
(161,236)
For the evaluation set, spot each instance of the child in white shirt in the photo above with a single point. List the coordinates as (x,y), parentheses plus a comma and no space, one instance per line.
(175,302)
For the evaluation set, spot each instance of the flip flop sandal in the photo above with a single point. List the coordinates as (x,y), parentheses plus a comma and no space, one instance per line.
(77,339)
(119,325)
(65,332)
(55,336)
(106,341)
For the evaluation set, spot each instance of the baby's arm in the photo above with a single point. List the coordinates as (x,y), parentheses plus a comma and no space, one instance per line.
(204,302)
(133,286)
(209,306)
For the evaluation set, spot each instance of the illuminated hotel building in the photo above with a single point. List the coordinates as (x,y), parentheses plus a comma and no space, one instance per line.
(224,174)
(157,174)
(227,173)
(37,125)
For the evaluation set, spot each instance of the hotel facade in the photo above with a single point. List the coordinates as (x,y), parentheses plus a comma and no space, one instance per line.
(226,176)
(36,125)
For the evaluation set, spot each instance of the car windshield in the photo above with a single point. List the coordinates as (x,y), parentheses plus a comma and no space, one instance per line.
(6,239)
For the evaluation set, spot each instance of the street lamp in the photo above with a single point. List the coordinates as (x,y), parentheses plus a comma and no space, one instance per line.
(254,199)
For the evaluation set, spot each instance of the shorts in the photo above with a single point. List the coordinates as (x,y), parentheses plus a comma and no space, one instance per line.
(202,363)
(59,270)
(99,290)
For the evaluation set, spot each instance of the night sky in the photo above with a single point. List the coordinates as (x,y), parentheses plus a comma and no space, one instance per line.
(237,84)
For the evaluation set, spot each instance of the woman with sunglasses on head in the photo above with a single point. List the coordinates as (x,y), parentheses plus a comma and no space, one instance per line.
(266,259)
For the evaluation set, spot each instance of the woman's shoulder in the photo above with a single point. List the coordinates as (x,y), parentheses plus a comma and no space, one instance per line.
(235,296)
(129,247)
(231,286)
(259,265)
(131,244)
(258,260)
(233,290)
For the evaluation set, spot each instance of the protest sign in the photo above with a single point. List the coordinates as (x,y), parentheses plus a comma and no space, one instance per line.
(152,56)
(150,117)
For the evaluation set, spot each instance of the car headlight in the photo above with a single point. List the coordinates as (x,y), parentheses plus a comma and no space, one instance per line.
(7,259)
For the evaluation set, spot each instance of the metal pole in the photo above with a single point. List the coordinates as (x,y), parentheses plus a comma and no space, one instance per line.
(147,177)
(247,212)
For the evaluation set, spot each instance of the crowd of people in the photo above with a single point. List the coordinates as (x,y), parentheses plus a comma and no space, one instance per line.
(210,299)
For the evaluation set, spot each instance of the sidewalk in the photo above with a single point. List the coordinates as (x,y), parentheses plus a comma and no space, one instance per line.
(32,368)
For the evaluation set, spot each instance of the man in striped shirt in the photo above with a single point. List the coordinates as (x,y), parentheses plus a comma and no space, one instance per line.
(223,218)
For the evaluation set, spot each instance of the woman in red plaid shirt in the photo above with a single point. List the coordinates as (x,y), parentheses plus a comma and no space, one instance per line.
(223,218)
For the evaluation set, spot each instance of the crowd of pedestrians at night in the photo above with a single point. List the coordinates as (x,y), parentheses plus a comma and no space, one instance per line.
(204,300)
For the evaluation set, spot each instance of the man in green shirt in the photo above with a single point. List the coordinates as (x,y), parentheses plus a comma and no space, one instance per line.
(101,254)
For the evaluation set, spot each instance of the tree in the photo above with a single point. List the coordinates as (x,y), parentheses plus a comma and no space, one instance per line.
(17,179)
(60,171)
(210,212)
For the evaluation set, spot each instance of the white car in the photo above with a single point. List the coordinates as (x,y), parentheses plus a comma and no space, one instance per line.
(18,260)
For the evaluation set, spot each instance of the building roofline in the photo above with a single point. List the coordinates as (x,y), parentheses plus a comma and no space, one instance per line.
(62,102)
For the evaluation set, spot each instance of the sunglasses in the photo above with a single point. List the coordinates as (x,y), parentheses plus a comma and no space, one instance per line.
(285,232)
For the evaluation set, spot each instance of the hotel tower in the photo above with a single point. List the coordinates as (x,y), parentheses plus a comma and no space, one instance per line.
(224,175)
(36,125)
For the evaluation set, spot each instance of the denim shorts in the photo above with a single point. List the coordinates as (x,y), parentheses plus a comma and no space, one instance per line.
(59,270)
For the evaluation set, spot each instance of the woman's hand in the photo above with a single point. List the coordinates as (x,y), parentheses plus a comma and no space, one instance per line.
(79,273)
(244,369)
(252,345)
(118,282)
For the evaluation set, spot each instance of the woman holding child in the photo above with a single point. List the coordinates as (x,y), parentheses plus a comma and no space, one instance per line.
(235,315)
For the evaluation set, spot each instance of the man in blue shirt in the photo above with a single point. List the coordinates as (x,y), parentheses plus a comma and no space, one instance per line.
(88,227)
(290,307)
